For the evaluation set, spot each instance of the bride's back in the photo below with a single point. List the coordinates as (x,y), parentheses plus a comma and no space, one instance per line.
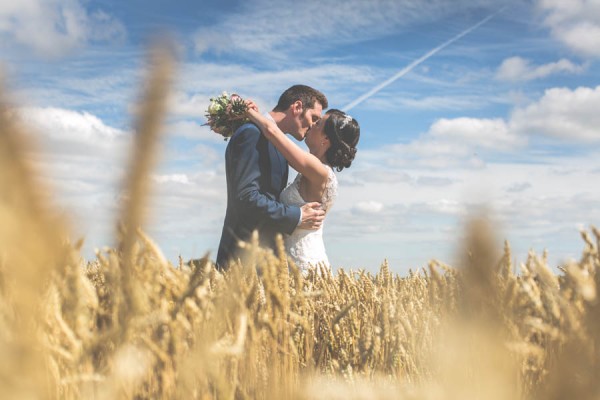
(293,193)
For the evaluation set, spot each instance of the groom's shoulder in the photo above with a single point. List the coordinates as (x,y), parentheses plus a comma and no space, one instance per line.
(248,129)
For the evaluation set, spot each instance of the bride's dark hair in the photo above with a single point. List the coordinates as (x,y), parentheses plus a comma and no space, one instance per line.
(343,133)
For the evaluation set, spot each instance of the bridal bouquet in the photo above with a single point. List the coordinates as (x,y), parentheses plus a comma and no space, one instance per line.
(226,113)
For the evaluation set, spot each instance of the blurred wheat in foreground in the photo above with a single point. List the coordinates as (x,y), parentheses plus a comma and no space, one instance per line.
(129,325)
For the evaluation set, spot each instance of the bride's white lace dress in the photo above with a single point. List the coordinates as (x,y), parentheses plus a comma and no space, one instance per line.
(305,247)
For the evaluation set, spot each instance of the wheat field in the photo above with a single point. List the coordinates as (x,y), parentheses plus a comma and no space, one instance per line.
(131,325)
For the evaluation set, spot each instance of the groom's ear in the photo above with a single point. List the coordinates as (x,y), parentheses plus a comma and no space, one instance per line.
(297,107)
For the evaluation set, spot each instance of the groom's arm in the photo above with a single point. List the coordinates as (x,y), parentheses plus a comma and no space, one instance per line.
(243,148)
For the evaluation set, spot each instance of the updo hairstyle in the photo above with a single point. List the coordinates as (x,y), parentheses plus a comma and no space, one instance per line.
(343,133)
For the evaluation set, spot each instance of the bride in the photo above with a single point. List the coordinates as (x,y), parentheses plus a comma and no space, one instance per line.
(332,144)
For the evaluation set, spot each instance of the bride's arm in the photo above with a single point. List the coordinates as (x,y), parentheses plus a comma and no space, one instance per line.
(304,162)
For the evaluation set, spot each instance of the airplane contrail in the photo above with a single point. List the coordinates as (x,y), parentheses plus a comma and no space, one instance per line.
(418,61)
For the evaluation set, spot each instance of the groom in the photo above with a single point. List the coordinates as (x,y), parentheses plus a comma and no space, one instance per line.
(257,173)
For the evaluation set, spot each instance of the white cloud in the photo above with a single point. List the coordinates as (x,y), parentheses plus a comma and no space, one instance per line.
(368,207)
(583,38)
(200,81)
(374,173)
(252,28)
(518,187)
(75,147)
(519,69)
(570,115)
(535,213)
(68,131)
(175,178)
(55,27)
(476,133)
(446,206)
(399,101)
(208,39)
(193,130)
(451,142)
(192,105)
(433,181)
(576,23)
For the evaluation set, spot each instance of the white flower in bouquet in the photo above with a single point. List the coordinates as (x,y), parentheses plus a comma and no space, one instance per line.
(214,108)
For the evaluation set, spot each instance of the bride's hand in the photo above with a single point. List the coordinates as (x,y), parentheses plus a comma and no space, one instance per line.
(251,106)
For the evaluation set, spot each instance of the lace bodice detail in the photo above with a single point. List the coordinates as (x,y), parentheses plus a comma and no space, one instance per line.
(306,247)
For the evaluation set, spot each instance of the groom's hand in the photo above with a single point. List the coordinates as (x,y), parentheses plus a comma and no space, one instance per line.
(312,216)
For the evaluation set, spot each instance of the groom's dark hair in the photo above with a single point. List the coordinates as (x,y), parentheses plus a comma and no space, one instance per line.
(307,95)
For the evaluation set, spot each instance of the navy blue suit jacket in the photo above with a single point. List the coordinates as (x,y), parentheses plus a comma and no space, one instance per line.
(256,174)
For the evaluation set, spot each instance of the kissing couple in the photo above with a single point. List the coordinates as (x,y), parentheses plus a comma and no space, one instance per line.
(256,165)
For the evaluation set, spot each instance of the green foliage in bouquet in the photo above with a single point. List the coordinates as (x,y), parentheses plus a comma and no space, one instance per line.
(226,114)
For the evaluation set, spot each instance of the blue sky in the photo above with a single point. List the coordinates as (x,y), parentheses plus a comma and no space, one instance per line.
(505,118)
